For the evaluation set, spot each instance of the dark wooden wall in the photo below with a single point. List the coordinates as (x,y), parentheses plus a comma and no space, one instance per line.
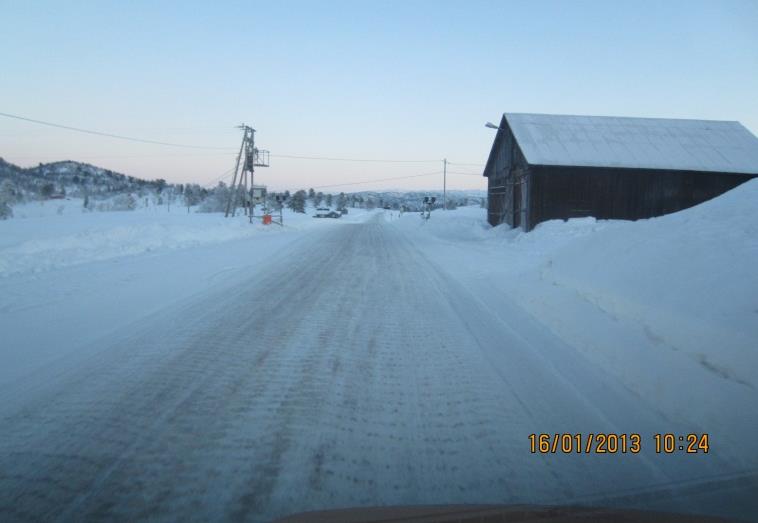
(506,169)
(614,193)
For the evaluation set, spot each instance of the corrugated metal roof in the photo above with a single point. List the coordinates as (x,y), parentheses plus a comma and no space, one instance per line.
(643,143)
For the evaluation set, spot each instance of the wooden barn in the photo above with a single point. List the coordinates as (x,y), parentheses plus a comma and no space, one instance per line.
(542,167)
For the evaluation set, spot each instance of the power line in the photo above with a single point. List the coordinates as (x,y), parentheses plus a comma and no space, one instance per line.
(110,135)
(329,158)
(377,180)
(468,164)
(127,156)
(468,174)
(362,182)
(219,178)
(288,156)
(191,146)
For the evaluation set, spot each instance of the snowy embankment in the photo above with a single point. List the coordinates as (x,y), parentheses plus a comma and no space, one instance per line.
(67,279)
(41,239)
(668,305)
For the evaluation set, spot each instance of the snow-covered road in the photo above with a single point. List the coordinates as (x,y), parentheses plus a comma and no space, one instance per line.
(350,370)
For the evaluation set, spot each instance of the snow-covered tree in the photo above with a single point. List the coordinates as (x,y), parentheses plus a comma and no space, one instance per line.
(124,202)
(7,198)
(47,190)
(216,201)
(86,204)
(192,196)
(8,192)
(5,211)
(328,200)
(170,194)
(297,202)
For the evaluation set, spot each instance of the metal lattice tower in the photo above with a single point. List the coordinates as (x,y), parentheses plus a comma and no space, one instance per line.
(253,157)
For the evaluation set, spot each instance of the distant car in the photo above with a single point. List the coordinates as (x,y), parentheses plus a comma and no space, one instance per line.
(325,212)
(343,211)
(387,208)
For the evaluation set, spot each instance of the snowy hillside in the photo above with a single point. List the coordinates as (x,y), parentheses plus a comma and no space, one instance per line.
(74,178)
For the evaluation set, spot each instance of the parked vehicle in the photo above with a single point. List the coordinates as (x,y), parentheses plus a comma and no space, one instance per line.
(325,212)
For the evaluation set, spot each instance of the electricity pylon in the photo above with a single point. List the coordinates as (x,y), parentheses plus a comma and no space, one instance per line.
(253,157)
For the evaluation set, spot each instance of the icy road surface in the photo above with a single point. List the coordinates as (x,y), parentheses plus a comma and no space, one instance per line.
(350,371)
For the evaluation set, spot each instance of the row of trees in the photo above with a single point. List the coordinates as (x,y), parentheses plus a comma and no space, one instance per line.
(217,198)
(105,190)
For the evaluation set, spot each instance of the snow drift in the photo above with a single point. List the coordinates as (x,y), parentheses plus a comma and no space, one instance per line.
(689,278)
(58,234)
(667,305)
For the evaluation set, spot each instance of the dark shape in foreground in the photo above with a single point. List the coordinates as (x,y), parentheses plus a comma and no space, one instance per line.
(493,514)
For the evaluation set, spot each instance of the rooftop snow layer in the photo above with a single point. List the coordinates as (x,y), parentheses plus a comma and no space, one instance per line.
(643,143)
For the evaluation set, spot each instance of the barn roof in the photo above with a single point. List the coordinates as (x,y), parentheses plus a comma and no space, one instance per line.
(643,143)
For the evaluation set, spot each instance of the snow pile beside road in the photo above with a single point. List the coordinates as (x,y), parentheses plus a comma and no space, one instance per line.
(465,224)
(689,279)
(97,244)
(668,305)
(496,249)
(44,240)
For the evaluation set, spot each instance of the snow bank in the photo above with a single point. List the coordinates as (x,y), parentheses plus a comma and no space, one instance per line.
(58,234)
(96,245)
(465,224)
(502,249)
(669,305)
(46,240)
(688,278)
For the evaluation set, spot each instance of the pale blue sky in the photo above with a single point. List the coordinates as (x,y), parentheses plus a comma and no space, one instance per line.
(380,79)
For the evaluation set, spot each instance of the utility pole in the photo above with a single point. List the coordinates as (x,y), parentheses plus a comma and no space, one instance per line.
(253,158)
(251,154)
(444,184)
(234,178)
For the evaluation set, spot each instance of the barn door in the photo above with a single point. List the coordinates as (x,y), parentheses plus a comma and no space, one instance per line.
(516,205)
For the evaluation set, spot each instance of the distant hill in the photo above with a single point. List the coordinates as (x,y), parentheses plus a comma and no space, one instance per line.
(74,179)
